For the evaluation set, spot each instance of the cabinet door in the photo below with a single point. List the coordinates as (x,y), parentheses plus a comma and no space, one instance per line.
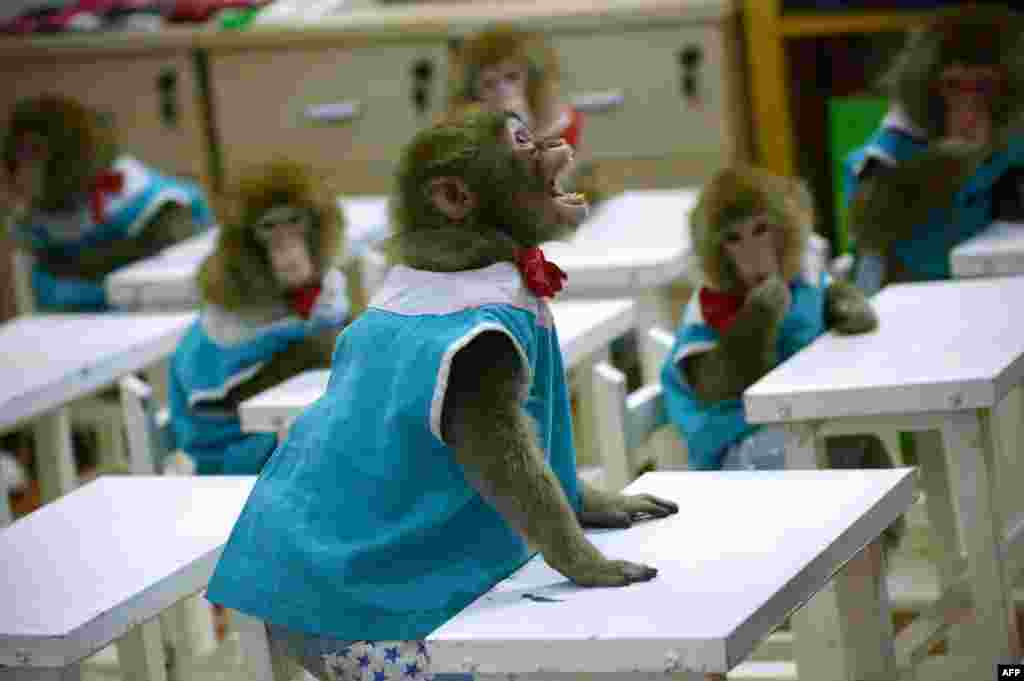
(348,112)
(656,91)
(153,100)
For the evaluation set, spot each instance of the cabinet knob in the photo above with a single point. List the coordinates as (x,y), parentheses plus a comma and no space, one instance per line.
(167,89)
(690,58)
(422,77)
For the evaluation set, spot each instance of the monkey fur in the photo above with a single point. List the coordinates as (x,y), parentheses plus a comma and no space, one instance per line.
(54,152)
(708,370)
(461,425)
(547,113)
(916,184)
(244,302)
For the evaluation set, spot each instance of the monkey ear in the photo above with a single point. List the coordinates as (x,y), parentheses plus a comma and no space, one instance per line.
(452,196)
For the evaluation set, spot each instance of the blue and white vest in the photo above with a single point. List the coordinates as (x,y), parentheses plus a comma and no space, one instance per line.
(926,253)
(220,351)
(65,236)
(709,429)
(362,524)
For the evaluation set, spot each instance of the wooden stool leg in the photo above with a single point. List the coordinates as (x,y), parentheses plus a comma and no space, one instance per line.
(970,447)
(140,653)
(845,632)
(54,459)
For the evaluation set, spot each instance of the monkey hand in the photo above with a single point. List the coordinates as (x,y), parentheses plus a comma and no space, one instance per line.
(332,304)
(847,311)
(771,298)
(620,510)
(585,565)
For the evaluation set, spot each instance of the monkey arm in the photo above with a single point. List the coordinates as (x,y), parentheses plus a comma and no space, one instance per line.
(171,224)
(311,353)
(892,200)
(745,352)
(847,310)
(495,443)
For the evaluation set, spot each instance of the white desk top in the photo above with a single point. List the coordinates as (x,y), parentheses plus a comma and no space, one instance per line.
(939,347)
(167,280)
(49,360)
(81,571)
(583,327)
(724,581)
(999,250)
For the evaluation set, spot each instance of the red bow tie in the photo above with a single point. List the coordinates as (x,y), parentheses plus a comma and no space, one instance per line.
(301,300)
(542,277)
(106,182)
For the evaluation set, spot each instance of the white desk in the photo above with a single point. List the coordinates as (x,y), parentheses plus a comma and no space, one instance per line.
(943,359)
(82,572)
(168,279)
(47,361)
(724,582)
(584,328)
(997,251)
(164,281)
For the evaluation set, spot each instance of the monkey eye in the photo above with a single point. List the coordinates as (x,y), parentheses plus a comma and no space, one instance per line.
(760,228)
(512,75)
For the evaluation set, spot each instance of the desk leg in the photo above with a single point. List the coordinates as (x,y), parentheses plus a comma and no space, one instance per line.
(260,661)
(54,459)
(586,448)
(653,308)
(140,653)
(933,460)
(845,632)
(970,442)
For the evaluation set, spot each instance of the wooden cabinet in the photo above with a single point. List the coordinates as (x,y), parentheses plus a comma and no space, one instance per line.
(152,95)
(661,83)
(346,111)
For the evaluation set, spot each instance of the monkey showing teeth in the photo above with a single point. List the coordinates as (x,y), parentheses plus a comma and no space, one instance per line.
(81,208)
(442,449)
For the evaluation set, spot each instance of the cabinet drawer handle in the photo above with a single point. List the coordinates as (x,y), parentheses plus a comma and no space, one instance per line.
(337,112)
(597,102)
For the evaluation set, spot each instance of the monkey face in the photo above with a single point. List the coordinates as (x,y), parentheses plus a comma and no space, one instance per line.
(752,245)
(968,94)
(502,87)
(284,233)
(547,162)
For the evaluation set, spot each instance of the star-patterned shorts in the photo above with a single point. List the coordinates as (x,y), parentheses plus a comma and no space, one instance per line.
(336,660)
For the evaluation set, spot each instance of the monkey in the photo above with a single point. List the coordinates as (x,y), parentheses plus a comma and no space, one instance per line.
(502,68)
(929,177)
(761,301)
(273,303)
(81,207)
(442,450)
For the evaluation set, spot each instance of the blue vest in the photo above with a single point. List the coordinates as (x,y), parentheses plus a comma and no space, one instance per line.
(926,253)
(709,429)
(127,213)
(205,370)
(362,525)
